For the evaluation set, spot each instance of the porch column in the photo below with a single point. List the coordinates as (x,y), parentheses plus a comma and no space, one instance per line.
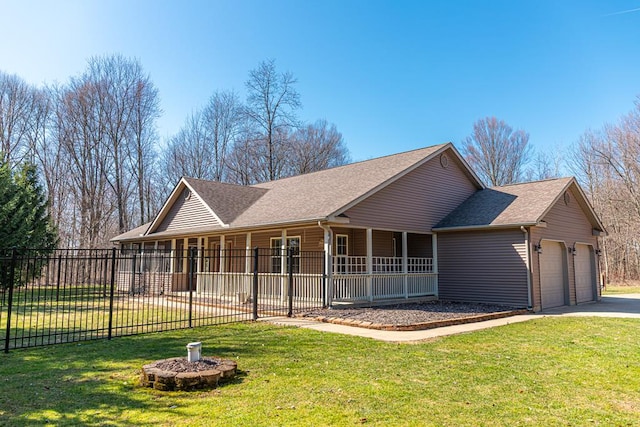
(223,256)
(199,264)
(328,264)
(370,263)
(405,265)
(185,255)
(434,243)
(247,259)
(206,256)
(284,277)
(172,256)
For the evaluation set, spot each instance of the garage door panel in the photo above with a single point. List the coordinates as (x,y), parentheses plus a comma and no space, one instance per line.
(584,273)
(552,273)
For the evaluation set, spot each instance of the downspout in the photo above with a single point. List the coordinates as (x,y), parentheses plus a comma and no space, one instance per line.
(528,261)
(328,258)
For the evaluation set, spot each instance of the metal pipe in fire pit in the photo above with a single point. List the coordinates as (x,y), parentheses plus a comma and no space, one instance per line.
(193,351)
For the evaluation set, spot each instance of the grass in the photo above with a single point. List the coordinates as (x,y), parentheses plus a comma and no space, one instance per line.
(622,288)
(45,315)
(548,371)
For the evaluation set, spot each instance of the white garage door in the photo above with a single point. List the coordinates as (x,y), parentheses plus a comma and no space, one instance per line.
(584,273)
(552,274)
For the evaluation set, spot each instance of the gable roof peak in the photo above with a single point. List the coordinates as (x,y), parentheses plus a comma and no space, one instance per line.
(540,181)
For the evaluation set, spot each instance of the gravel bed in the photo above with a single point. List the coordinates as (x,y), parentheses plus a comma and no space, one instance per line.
(183,365)
(410,314)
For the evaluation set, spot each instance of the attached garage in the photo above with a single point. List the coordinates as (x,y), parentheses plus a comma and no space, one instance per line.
(559,233)
(552,274)
(584,270)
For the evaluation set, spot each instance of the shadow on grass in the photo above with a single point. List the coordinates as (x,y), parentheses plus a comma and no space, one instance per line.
(95,382)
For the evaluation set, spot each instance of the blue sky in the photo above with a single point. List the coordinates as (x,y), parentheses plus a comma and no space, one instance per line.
(392,75)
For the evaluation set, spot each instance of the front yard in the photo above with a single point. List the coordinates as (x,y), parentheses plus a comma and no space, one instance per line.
(548,371)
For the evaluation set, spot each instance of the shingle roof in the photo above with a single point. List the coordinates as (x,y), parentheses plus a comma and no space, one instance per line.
(509,205)
(310,197)
(320,194)
(131,234)
(228,201)
(516,204)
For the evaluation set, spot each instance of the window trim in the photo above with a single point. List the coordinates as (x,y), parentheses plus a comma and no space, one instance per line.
(278,269)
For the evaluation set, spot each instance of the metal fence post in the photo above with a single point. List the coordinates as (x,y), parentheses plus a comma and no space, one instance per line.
(112,291)
(290,287)
(12,268)
(58,278)
(254,291)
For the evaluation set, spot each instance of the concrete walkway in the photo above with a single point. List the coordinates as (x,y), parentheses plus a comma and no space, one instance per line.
(627,306)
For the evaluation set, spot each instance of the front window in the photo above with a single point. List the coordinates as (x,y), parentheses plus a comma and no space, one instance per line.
(276,254)
(342,250)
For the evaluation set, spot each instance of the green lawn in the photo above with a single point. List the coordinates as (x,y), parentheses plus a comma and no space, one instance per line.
(621,289)
(548,371)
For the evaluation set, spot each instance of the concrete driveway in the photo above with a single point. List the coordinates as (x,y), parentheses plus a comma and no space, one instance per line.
(623,305)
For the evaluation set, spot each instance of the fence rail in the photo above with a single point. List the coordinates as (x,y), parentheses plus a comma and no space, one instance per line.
(59,296)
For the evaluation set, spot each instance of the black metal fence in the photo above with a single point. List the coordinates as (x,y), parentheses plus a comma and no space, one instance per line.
(68,295)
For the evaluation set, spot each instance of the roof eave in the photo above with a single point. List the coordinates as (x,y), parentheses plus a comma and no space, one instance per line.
(485,226)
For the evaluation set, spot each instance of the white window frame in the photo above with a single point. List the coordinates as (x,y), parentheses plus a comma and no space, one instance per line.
(276,256)
(341,258)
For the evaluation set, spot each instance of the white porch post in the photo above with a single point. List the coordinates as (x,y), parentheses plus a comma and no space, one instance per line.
(206,255)
(247,262)
(328,264)
(248,267)
(405,265)
(223,255)
(284,277)
(185,255)
(172,266)
(370,263)
(434,243)
(198,284)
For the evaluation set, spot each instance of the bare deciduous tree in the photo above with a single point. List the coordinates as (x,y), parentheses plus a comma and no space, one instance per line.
(496,152)
(315,147)
(18,118)
(272,102)
(221,118)
(607,162)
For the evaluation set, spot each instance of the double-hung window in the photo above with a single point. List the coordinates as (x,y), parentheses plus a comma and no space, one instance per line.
(277,254)
(342,250)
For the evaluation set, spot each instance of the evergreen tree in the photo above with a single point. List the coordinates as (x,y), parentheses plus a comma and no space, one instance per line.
(24,222)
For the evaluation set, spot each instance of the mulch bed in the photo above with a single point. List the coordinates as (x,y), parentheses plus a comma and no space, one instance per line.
(413,316)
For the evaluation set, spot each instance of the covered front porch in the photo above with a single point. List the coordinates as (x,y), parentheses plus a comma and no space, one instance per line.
(332,264)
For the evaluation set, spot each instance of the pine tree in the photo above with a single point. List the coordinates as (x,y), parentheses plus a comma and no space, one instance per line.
(25,222)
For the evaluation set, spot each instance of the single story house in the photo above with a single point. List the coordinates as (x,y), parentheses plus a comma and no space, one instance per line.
(409,225)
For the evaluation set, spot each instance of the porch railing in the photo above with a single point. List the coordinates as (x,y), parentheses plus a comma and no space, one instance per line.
(380,265)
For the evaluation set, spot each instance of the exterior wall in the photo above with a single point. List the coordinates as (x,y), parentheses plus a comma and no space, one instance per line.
(418,200)
(185,214)
(483,266)
(566,223)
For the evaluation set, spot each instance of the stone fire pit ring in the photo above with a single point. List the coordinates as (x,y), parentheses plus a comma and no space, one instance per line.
(177,373)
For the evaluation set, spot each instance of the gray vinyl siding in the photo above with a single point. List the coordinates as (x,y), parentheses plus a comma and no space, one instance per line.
(185,214)
(483,266)
(416,201)
(567,223)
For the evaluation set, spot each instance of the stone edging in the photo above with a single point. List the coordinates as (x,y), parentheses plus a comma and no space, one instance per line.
(416,326)
(164,380)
